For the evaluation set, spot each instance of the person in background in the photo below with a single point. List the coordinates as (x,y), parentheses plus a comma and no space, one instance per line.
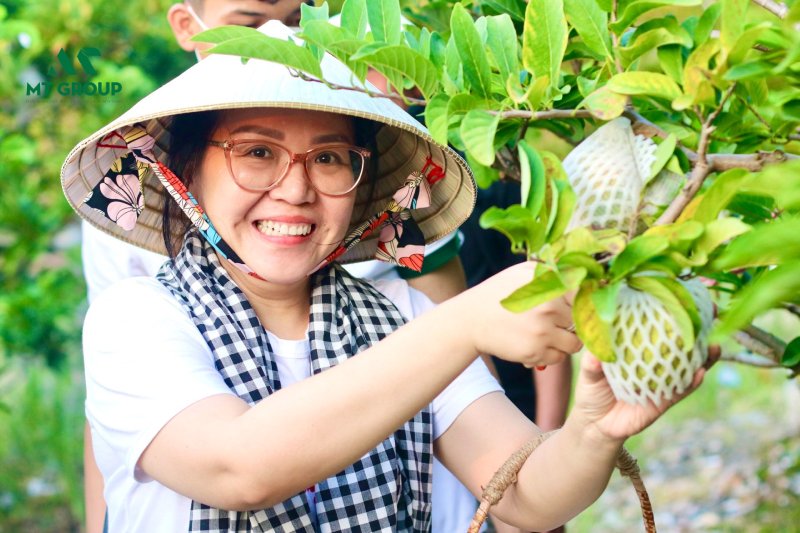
(107,260)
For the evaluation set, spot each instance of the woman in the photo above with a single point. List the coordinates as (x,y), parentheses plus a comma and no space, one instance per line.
(226,396)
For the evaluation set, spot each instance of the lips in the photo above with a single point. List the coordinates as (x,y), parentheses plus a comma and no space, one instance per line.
(283,228)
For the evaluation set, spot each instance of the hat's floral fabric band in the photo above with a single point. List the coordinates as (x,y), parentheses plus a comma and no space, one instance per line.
(119,196)
(401,241)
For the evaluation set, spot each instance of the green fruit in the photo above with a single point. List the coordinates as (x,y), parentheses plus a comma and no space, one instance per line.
(653,360)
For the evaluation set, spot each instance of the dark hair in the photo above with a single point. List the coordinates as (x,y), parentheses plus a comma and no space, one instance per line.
(194,130)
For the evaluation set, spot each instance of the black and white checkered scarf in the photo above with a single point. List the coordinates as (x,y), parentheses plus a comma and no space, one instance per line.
(386,490)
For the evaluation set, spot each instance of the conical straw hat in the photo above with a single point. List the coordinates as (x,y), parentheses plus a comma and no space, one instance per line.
(225,82)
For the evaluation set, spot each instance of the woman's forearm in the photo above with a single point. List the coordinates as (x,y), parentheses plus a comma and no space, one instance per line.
(564,475)
(313,428)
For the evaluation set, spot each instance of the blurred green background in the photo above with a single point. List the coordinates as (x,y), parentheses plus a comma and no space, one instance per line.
(42,294)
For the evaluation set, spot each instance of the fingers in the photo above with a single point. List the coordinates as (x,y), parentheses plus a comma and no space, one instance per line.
(566,341)
(549,356)
(591,367)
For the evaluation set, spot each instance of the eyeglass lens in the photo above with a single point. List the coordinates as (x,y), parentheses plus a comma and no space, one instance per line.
(331,169)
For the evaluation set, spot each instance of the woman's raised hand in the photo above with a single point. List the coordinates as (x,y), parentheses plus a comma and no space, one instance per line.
(537,337)
(597,408)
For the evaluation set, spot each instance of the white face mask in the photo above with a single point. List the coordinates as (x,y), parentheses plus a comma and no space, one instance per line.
(200,23)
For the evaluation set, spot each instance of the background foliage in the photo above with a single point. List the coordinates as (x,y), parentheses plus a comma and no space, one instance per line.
(42,295)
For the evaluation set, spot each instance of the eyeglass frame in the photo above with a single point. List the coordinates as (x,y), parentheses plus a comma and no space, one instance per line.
(228,145)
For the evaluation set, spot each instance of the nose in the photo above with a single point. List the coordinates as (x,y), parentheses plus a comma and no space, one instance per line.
(294,188)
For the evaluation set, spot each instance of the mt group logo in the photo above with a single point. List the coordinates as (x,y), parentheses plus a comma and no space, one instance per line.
(74,88)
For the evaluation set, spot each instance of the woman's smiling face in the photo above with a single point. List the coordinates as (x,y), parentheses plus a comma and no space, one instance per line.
(285,232)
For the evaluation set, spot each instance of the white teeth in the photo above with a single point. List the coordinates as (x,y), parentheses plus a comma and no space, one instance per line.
(268,227)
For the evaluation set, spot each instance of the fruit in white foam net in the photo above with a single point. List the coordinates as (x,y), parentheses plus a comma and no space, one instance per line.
(654,361)
(608,172)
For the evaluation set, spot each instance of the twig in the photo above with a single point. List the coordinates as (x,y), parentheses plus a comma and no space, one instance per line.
(615,40)
(775,346)
(397,97)
(776,8)
(756,113)
(749,359)
(701,169)
(550,114)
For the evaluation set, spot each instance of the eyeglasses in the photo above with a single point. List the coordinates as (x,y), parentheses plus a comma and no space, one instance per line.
(258,165)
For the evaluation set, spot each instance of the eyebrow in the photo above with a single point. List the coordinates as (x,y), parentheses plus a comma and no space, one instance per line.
(279,135)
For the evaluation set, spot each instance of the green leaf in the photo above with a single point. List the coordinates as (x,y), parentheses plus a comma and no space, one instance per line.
(636,8)
(268,48)
(638,250)
(605,301)
(398,62)
(674,306)
(591,23)
(544,39)
(591,329)
(721,192)
(337,41)
(696,73)
(645,83)
(471,52)
(580,259)
(436,117)
(484,176)
(384,20)
(605,104)
(512,7)
(225,33)
(532,178)
(770,243)
(653,34)
(734,17)
(749,70)
(706,23)
(516,223)
(781,182)
(769,290)
(685,299)
(478,129)
(680,235)
(544,288)
(663,154)
(670,58)
(354,17)
(566,205)
(717,233)
(791,355)
(502,42)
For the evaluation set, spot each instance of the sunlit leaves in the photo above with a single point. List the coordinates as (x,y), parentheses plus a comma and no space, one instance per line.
(544,38)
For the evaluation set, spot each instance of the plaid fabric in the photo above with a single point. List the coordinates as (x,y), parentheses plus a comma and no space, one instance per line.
(386,490)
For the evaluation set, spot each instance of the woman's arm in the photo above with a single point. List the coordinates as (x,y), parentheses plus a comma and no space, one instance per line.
(92,487)
(226,454)
(567,472)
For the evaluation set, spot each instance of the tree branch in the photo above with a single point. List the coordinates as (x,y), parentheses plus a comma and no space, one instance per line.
(396,97)
(776,8)
(749,359)
(550,114)
(701,169)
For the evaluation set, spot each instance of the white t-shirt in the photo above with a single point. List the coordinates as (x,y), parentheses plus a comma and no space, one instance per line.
(146,362)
